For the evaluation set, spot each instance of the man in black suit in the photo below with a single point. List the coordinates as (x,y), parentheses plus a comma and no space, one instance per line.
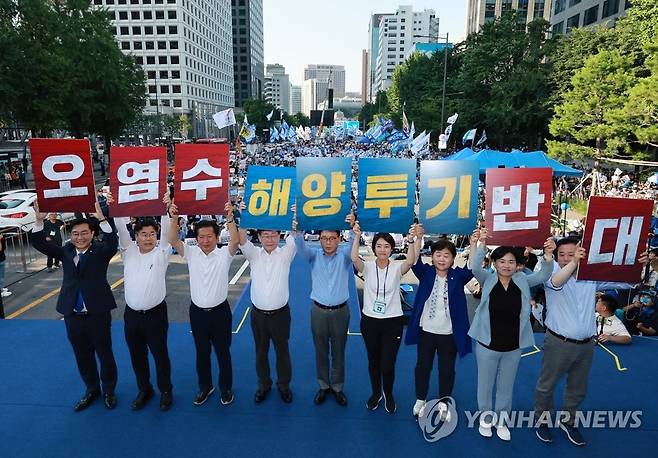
(86,300)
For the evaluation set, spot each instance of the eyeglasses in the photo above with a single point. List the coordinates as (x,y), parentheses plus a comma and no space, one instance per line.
(329,239)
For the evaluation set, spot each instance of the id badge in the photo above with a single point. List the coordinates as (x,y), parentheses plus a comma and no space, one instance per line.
(52,233)
(379,307)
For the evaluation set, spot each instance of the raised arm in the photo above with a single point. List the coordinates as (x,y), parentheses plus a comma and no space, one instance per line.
(110,239)
(38,238)
(174,241)
(356,260)
(544,273)
(412,254)
(560,277)
(475,236)
(234,241)
(478,257)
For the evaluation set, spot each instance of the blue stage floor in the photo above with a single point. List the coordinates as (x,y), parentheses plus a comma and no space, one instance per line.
(39,384)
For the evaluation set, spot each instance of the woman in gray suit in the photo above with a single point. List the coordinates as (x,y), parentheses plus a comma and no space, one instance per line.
(501,326)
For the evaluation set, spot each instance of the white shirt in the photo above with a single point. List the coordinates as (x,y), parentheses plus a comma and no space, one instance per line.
(440,323)
(388,292)
(612,326)
(208,275)
(269,274)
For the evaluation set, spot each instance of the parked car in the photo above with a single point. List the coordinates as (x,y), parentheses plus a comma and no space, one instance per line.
(312,236)
(16,210)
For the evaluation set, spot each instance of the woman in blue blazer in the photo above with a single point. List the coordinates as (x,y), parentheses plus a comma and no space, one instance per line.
(439,320)
(501,326)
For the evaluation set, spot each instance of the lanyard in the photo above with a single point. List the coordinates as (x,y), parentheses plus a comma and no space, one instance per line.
(385,278)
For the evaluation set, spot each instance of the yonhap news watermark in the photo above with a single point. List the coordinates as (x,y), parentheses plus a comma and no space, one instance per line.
(435,424)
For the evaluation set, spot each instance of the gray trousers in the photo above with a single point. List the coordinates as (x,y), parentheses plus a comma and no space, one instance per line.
(561,358)
(499,368)
(329,329)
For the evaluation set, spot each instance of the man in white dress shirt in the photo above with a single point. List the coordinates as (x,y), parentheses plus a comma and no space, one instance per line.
(270,320)
(210,313)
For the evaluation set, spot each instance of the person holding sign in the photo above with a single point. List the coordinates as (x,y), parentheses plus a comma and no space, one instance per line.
(439,321)
(85,300)
(331,267)
(210,312)
(569,343)
(501,326)
(381,317)
(270,320)
(145,264)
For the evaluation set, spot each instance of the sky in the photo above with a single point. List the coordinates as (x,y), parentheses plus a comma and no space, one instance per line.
(300,32)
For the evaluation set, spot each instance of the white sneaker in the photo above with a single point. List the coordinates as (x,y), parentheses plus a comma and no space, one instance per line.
(419,408)
(6,293)
(503,432)
(5,289)
(444,412)
(485,428)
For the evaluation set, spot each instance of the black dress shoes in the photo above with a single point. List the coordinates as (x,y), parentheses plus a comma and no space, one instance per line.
(110,401)
(166,399)
(203,395)
(142,398)
(341,399)
(320,396)
(86,400)
(260,395)
(286,395)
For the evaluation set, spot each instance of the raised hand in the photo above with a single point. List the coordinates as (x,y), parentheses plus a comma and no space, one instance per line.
(109,197)
(350,219)
(420,231)
(475,236)
(411,234)
(643,258)
(484,234)
(579,254)
(166,199)
(173,210)
(549,247)
(39,215)
(356,229)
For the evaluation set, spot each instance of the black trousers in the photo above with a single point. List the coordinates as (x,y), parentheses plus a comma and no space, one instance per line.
(444,346)
(274,327)
(91,337)
(211,328)
(146,331)
(382,337)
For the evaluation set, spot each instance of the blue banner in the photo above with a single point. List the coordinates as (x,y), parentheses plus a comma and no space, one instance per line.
(269,195)
(324,192)
(387,194)
(448,196)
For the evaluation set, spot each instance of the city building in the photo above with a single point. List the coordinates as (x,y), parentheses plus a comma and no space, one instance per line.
(248,60)
(568,14)
(186,52)
(398,32)
(277,87)
(373,52)
(310,95)
(295,99)
(480,12)
(349,106)
(365,76)
(321,72)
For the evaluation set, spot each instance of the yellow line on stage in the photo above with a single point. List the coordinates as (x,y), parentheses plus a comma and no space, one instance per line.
(615,357)
(244,317)
(536,350)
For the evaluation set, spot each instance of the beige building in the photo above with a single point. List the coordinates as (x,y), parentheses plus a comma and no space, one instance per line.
(480,12)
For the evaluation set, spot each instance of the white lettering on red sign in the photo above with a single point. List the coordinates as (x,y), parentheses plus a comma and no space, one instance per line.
(130,173)
(64,178)
(506,202)
(201,186)
(628,238)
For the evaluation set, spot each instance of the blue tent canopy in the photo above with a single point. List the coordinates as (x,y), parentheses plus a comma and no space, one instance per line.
(491,159)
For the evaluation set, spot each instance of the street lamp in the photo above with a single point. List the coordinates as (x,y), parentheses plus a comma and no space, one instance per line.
(445,72)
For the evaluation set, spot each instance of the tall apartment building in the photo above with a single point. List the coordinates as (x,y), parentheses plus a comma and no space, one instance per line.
(364,76)
(568,14)
(373,52)
(185,48)
(277,86)
(480,12)
(248,57)
(295,99)
(398,32)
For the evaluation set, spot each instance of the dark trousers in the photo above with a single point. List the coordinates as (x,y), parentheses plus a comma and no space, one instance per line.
(91,337)
(52,262)
(382,337)
(444,346)
(148,331)
(274,327)
(211,328)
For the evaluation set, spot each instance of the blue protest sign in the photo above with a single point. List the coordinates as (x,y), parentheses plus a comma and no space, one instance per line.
(269,195)
(448,196)
(386,194)
(323,192)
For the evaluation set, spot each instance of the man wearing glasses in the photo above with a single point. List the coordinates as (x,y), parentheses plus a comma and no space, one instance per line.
(270,317)
(86,300)
(331,267)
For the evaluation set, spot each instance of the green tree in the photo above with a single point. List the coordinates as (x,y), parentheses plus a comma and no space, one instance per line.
(298,119)
(641,108)
(370,111)
(589,121)
(257,111)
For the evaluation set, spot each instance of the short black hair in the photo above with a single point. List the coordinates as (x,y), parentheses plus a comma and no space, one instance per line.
(444,244)
(388,238)
(520,255)
(567,241)
(80,221)
(330,230)
(206,223)
(260,231)
(501,251)
(609,302)
(146,222)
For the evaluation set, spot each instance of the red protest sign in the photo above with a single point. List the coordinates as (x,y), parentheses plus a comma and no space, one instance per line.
(518,206)
(616,233)
(138,180)
(202,179)
(63,175)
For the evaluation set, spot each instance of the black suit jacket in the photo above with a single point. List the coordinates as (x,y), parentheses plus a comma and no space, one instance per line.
(89,276)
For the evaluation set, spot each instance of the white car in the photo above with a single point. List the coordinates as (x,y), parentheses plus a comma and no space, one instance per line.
(16,210)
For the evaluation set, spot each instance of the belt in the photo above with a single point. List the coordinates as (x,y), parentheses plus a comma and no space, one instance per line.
(270,312)
(566,339)
(210,309)
(330,307)
(147,311)
(84,313)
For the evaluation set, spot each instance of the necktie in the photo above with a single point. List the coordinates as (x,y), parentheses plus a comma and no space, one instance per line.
(79,301)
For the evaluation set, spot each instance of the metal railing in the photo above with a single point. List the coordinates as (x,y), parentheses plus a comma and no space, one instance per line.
(19,252)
